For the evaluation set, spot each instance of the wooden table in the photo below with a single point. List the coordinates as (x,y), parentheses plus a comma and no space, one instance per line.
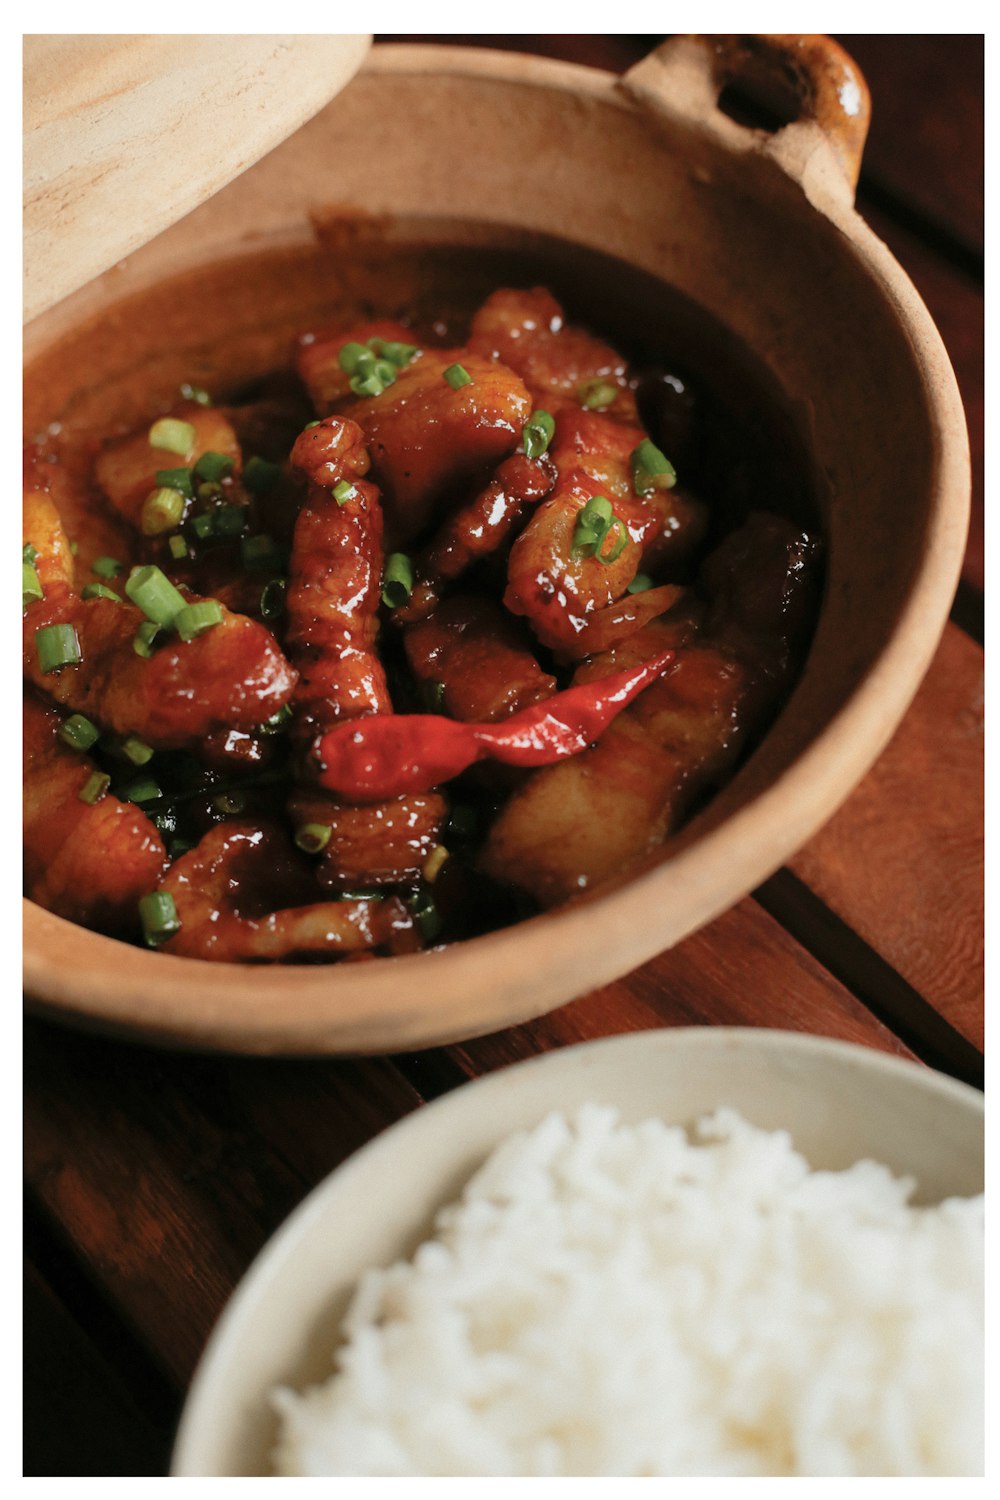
(153,1178)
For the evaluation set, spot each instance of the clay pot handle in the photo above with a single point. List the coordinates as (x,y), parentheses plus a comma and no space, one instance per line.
(796,77)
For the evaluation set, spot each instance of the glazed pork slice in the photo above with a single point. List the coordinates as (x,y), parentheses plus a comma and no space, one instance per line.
(127,467)
(574,825)
(470,656)
(87,856)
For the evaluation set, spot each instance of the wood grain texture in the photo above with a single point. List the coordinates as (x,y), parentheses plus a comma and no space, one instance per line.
(902,862)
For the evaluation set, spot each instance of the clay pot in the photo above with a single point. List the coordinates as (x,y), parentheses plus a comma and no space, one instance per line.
(756,234)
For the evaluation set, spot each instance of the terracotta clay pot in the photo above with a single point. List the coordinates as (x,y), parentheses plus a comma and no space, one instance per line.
(756,231)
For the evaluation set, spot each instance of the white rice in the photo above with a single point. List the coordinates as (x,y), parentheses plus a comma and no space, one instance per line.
(619,1301)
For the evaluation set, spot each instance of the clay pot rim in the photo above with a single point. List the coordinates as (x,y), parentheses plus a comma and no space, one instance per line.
(73,973)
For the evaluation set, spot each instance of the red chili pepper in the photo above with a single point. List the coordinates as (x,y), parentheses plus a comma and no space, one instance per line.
(387,755)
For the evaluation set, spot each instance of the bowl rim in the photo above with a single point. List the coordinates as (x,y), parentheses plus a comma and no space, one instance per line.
(272,1262)
(388,1005)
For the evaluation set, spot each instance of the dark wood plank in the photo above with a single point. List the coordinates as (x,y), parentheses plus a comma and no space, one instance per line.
(902,862)
(741,970)
(168,1173)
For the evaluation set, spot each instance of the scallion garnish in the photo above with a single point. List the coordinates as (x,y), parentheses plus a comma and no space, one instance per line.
(538,433)
(640,583)
(260,477)
(278,722)
(194,619)
(99,591)
(159,918)
(597,395)
(143,789)
(31,585)
(57,646)
(177,847)
(366,385)
(107,567)
(594,524)
(178,547)
(397,580)
(259,553)
(195,393)
(213,467)
(172,435)
(343,491)
(356,359)
(176,479)
(210,491)
(203,526)
(155,595)
(432,864)
(94,787)
(229,520)
(457,376)
(228,803)
(162,510)
(400,354)
(651,469)
(136,750)
(312,838)
(424,909)
(145,636)
(272,599)
(79,732)
(29,553)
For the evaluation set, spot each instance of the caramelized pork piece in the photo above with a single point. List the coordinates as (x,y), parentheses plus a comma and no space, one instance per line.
(477,530)
(575,825)
(335,582)
(87,860)
(471,658)
(384,844)
(244,894)
(93,529)
(562,366)
(428,439)
(618,622)
(126,469)
(318,359)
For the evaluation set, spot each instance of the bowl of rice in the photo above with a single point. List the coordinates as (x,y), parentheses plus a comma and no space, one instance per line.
(685,1252)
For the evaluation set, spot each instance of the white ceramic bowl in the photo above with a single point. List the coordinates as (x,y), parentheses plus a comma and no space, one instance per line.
(839,1102)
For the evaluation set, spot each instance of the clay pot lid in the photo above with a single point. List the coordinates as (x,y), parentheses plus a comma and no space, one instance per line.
(123,135)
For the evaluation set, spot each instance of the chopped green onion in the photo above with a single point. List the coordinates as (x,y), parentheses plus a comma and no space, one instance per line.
(172,435)
(229,802)
(259,553)
(457,376)
(74,548)
(194,619)
(210,491)
(400,354)
(651,469)
(159,918)
(177,847)
(618,547)
(366,385)
(312,838)
(397,580)
(213,467)
(278,722)
(272,599)
(203,526)
(593,524)
(176,479)
(162,510)
(356,359)
(538,433)
(260,477)
(79,732)
(433,863)
(178,547)
(343,491)
(424,909)
(598,395)
(155,595)
(385,371)
(229,520)
(195,393)
(94,787)
(57,646)
(31,585)
(145,636)
(143,789)
(314,423)
(363,893)
(640,583)
(136,750)
(107,567)
(28,553)
(99,591)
